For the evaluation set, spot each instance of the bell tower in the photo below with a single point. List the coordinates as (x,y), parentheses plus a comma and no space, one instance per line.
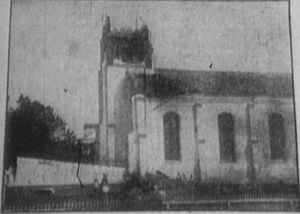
(123,53)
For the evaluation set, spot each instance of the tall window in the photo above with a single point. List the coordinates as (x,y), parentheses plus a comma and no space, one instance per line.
(172,136)
(277,136)
(226,137)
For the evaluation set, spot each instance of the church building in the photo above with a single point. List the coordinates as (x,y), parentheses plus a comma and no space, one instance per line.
(212,126)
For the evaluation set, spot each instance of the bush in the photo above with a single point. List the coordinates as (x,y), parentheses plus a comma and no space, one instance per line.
(30,131)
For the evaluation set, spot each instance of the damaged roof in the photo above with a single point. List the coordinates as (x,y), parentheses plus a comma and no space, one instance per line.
(168,83)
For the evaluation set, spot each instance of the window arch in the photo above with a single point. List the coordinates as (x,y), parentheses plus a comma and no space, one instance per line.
(171,122)
(226,137)
(277,136)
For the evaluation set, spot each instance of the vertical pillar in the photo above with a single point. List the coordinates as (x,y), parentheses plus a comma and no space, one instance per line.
(111,144)
(139,122)
(132,165)
(102,84)
(249,147)
(97,146)
(103,153)
(197,169)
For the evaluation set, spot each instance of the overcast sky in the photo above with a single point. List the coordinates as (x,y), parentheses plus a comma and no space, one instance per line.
(54,55)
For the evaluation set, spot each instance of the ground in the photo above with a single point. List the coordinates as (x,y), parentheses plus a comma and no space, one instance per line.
(177,197)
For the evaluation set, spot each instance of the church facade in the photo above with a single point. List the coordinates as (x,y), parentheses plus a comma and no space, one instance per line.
(212,126)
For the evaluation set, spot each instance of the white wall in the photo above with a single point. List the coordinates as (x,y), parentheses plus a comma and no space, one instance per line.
(211,168)
(153,148)
(275,170)
(45,172)
(111,79)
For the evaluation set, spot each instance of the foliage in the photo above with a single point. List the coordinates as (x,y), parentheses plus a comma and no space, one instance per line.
(31,129)
(68,151)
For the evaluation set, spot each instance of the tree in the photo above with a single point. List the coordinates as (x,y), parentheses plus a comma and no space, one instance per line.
(30,127)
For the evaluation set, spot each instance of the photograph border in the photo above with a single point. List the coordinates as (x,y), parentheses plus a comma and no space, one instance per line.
(5,26)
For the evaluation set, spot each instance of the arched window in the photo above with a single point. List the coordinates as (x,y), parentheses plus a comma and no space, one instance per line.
(172,136)
(226,137)
(277,136)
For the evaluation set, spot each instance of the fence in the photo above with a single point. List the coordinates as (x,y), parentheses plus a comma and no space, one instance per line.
(168,195)
(116,203)
(245,202)
(102,204)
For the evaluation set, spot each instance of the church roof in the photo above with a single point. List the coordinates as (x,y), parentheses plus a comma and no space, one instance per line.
(168,83)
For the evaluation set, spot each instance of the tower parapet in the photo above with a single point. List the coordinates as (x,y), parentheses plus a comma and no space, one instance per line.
(126,46)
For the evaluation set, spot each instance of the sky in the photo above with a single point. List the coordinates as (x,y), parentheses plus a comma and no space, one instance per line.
(54,47)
